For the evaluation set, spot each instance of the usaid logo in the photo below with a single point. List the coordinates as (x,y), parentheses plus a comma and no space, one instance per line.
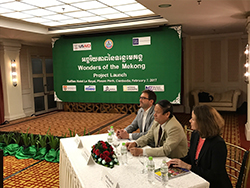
(82,46)
(89,88)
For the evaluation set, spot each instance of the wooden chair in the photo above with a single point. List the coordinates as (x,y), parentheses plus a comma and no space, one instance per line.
(237,165)
(188,133)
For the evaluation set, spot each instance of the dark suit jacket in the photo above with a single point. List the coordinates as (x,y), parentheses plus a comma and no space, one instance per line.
(211,161)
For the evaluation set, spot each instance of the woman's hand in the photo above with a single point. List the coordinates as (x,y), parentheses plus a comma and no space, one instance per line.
(178,163)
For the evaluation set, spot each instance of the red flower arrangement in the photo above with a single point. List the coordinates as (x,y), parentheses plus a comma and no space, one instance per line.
(102,153)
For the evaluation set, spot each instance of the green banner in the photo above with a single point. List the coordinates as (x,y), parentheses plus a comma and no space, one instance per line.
(116,67)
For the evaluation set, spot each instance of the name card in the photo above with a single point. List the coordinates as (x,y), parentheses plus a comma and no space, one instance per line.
(78,141)
(87,156)
(109,180)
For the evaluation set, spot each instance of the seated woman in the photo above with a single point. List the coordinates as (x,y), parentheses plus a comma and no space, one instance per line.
(207,153)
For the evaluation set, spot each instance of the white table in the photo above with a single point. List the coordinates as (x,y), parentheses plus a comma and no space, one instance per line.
(75,173)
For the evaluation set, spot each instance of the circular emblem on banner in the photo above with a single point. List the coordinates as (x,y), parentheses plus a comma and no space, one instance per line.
(108,44)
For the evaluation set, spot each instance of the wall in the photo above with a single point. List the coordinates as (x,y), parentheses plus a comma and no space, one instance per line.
(214,63)
(28,51)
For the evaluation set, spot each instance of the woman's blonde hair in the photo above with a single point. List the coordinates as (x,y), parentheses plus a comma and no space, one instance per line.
(209,121)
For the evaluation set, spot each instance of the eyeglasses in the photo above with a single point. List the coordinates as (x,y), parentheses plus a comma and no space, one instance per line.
(143,98)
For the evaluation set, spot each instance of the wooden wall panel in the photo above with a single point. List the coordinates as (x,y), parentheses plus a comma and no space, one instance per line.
(233,58)
(215,63)
(199,61)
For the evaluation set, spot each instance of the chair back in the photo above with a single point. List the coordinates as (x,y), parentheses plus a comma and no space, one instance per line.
(237,165)
(188,133)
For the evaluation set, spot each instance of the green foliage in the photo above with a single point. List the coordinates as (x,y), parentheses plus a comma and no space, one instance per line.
(72,134)
(17,138)
(42,141)
(64,135)
(1,138)
(26,138)
(53,141)
(48,132)
(7,138)
(33,139)
(84,132)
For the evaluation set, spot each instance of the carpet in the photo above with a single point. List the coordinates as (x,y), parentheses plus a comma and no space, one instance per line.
(41,174)
(59,123)
(28,172)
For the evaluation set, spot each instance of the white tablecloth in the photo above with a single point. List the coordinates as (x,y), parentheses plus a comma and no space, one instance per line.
(75,173)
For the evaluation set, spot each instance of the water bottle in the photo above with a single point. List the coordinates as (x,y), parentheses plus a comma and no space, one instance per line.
(151,170)
(124,154)
(111,130)
(164,173)
(110,138)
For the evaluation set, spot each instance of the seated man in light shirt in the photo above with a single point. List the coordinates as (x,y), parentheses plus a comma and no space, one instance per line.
(167,133)
(143,120)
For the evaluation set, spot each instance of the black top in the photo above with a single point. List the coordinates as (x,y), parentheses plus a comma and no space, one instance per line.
(211,161)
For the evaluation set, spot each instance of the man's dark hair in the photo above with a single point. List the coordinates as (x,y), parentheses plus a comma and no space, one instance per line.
(151,95)
(166,107)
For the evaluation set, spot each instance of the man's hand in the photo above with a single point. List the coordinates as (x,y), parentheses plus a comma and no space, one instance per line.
(118,132)
(122,134)
(130,145)
(136,151)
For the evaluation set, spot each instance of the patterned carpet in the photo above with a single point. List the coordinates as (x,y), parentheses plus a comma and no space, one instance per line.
(35,174)
(27,173)
(59,123)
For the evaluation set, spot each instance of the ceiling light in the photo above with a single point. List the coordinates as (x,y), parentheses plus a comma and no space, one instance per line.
(103,11)
(115,16)
(57,17)
(51,23)
(79,14)
(117,2)
(89,5)
(38,12)
(70,21)
(63,8)
(139,13)
(94,19)
(6,1)
(17,15)
(4,10)
(42,3)
(71,1)
(35,20)
(130,7)
(165,5)
(17,6)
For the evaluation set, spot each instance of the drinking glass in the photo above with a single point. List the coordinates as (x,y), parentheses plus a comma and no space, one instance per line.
(116,143)
(143,160)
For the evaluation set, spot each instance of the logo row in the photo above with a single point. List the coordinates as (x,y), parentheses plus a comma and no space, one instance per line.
(111,88)
(108,44)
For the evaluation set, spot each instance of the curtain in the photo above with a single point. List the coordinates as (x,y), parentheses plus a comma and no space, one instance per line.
(1,100)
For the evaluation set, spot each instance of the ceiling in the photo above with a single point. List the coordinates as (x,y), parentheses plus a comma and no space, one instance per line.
(206,17)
